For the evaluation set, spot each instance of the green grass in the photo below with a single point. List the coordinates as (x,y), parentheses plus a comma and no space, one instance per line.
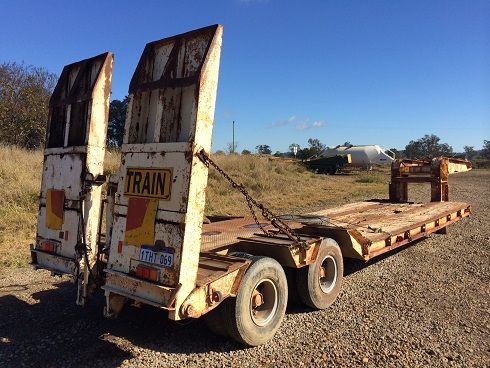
(372,177)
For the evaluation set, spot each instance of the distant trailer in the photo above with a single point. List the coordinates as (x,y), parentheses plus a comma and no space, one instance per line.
(328,165)
(364,156)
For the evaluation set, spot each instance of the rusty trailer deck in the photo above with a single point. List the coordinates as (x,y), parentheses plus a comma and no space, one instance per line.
(363,230)
(217,236)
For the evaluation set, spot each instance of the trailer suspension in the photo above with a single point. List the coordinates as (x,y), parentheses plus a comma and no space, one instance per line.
(275,221)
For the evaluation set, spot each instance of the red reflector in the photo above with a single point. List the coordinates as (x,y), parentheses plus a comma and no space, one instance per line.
(119,247)
(66,235)
(47,247)
(147,273)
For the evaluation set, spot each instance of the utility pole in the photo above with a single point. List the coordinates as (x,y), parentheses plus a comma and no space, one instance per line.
(233,139)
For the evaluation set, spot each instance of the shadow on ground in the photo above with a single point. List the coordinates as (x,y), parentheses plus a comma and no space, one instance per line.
(56,332)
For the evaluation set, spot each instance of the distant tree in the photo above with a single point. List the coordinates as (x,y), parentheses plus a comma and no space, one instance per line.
(246,152)
(347,144)
(316,147)
(117,119)
(398,153)
(278,154)
(485,152)
(219,152)
(25,91)
(427,147)
(263,149)
(469,152)
(414,150)
(303,154)
(231,147)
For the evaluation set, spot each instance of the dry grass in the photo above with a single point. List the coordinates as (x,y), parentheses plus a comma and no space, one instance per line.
(20,180)
(112,161)
(285,187)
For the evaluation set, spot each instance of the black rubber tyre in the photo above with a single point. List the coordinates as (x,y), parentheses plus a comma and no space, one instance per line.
(253,322)
(217,321)
(320,292)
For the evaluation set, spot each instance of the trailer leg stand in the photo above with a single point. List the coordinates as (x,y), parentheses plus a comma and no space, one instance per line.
(114,305)
(81,294)
(84,283)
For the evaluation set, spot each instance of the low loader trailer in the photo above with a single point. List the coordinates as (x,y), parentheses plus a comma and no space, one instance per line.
(141,235)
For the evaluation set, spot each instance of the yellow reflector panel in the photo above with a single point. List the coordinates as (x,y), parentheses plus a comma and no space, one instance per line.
(140,221)
(55,202)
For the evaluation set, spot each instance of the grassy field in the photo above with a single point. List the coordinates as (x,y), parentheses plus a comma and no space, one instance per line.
(284,187)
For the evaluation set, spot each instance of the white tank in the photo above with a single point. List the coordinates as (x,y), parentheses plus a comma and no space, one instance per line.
(362,155)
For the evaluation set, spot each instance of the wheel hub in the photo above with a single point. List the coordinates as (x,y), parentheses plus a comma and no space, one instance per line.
(263,302)
(327,275)
(323,272)
(257,299)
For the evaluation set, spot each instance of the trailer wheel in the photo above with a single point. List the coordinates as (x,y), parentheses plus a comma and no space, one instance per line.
(254,316)
(320,283)
(216,320)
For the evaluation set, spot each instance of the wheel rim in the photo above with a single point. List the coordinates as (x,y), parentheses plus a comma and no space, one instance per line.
(328,274)
(263,302)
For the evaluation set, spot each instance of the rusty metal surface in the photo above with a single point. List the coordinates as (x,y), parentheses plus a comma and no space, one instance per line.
(225,233)
(137,289)
(169,119)
(377,227)
(287,252)
(218,277)
(73,158)
(435,172)
(422,229)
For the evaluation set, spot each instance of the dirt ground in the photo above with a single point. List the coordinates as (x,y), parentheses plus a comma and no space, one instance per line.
(427,304)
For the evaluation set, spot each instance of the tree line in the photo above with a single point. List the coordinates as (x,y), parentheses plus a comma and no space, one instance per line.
(427,147)
(25,91)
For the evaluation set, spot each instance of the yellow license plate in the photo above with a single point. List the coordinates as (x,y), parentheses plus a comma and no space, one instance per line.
(148,182)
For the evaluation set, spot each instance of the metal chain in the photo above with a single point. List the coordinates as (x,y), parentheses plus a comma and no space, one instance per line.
(266,213)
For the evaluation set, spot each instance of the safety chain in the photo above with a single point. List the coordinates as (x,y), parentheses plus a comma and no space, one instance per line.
(266,213)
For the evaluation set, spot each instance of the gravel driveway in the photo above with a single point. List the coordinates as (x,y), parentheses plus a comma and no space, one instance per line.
(425,305)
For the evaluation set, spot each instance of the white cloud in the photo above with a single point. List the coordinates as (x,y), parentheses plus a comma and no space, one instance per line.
(304,125)
(282,122)
(301,123)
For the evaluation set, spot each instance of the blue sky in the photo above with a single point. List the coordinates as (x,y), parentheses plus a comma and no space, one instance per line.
(368,72)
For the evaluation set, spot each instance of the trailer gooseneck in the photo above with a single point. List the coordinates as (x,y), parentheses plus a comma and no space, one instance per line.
(155,249)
